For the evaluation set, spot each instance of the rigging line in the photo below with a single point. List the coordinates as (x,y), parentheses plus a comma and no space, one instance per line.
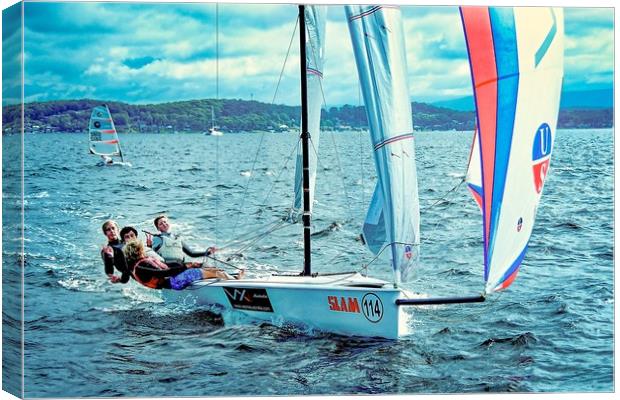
(248,259)
(283,224)
(253,239)
(217,139)
(270,190)
(286,161)
(361,148)
(342,175)
(290,45)
(333,259)
(388,245)
(228,264)
(453,190)
(438,201)
(262,137)
(445,196)
(348,206)
(250,235)
(217,50)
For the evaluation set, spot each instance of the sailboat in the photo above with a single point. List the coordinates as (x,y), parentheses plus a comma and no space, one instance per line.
(213,131)
(517,110)
(103,139)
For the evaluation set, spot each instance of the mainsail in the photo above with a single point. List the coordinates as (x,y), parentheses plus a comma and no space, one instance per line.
(315,17)
(516,56)
(393,217)
(103,139)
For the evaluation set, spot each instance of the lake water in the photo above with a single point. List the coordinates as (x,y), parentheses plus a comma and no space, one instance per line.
(551,331)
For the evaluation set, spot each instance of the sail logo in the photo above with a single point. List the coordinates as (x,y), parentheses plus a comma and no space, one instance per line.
(372,307)
(250,299)
(541,155)
(408,252)
(342,304)
(519,224)
(238,295)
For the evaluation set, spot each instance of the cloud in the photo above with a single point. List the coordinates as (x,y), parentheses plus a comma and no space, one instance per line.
(588,48)
(137,63)
(150,52)
(11,55)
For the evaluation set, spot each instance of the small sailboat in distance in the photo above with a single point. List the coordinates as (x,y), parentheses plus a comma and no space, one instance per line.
(213,131)
(103,138)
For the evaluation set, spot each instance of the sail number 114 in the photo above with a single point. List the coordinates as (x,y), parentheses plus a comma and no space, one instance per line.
(372,307)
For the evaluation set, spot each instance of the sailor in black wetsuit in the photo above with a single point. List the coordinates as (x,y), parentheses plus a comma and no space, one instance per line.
(112,254)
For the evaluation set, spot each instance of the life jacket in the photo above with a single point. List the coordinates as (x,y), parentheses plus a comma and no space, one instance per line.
(153,282)
(171,248)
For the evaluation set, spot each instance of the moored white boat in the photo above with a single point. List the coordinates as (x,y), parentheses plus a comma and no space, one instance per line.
(213,131)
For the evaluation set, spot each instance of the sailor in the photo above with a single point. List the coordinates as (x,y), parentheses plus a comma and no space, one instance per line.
(152,273)
(107,160)
(129,233)
(169,245)
(112,253)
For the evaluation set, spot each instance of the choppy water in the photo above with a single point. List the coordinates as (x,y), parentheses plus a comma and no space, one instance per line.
(551,331)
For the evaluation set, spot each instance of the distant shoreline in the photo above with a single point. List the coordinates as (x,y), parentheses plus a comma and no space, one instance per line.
(246,116)
(276,133)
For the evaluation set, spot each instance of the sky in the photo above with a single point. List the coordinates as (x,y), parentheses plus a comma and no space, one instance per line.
(145,53)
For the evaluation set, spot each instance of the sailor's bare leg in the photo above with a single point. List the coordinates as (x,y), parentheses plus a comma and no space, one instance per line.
(210,272)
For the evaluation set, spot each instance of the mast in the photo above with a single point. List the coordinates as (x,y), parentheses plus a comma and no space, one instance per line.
(305,136)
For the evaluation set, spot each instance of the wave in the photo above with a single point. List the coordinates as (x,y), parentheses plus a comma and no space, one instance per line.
(521,340)
(222,186)
(81,285)
(333,227)
(456,272)
(569,225)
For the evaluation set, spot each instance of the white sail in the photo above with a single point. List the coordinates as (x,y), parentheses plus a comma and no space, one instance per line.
(516,55)
(315,17)
(103,139)
(473,177)
(394,214)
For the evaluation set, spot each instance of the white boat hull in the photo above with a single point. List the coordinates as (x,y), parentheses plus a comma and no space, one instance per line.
(344,304)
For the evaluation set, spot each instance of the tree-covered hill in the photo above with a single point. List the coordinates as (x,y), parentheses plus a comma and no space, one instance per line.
(242,115)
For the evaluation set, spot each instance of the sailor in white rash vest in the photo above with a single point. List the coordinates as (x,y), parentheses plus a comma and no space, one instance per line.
(170,246)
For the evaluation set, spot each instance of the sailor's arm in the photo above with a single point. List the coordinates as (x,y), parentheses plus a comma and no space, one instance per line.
(156,242)
(107,256)
(173,270)
(193,252)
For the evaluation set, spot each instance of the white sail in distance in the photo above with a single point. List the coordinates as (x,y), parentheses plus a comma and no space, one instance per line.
(103,138)
(393,217)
